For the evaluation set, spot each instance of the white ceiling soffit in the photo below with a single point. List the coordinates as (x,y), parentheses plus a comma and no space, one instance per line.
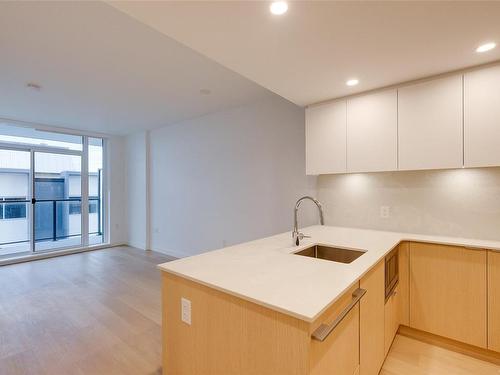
(101,70)
(307,54)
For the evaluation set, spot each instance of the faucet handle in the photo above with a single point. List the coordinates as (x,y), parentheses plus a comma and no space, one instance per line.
(298,236)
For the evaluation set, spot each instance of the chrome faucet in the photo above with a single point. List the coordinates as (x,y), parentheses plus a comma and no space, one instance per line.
(296,235)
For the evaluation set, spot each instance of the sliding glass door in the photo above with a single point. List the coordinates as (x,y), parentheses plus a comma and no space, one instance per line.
(57,202)
(51,191)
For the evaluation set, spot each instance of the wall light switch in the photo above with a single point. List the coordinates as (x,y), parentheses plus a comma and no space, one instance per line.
(385,212)
(186,311)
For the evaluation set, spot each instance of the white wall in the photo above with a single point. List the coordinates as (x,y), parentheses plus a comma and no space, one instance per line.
(137,194)
(117,190)
(227,177)
(461,202)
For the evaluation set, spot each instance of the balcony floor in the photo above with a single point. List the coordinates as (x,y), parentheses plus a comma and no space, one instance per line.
(20,249)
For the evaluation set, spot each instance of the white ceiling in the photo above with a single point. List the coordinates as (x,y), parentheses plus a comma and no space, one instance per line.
(101,70)
(307,54)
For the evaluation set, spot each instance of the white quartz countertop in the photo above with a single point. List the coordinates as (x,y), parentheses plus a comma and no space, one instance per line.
(266,272)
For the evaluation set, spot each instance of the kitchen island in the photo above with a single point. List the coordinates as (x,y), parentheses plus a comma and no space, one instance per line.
(255,308)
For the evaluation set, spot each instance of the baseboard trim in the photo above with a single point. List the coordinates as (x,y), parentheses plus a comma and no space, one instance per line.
(173,253)
(456,346)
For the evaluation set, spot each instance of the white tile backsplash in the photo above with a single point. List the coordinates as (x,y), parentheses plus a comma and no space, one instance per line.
(456,202)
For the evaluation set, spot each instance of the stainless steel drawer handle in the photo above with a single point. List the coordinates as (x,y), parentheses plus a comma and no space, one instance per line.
(322,332)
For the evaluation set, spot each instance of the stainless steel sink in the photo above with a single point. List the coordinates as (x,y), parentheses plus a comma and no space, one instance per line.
(334,254)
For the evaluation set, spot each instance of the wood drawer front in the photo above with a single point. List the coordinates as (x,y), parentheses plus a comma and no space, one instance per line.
(448,292)
(494,301)
(339,353)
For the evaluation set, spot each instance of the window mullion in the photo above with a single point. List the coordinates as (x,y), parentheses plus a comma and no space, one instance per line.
(85,192)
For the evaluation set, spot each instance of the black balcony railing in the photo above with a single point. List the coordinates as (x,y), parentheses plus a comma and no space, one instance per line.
(53,228)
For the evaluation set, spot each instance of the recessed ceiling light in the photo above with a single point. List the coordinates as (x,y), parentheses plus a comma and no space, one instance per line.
(352,82)
(486,47)
(278,7)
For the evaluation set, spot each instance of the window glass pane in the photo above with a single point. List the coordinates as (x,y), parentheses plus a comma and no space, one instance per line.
(95,191)
(14,210)
(92,207)
(14,213)
(75,208)
(28,136)
(57,184)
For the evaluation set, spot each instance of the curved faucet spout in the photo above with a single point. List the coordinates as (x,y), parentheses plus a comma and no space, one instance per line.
(297,236)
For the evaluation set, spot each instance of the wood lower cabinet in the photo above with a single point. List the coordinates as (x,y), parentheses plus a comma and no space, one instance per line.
(339,353)
(371,323)
(494,301)
(448,292)
(228,335)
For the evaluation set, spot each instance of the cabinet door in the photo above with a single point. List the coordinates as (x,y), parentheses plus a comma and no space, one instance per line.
(494,301)
(482,118)
(326,138)
(404,284)
(372,132)
(391,318)
(430,124)
(371,322)
(448,292)
(339,353)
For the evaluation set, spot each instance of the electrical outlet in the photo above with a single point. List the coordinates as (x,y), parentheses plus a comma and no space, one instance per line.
(385,212)
(186,311)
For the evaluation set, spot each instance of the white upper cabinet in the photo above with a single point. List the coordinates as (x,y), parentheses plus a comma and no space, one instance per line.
(326,138)
(448,122)
(430,124)
(482,118)
(372,132)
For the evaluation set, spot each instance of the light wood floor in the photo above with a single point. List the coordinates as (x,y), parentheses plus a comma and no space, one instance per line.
(91,313)
(99,313)
(412,357)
